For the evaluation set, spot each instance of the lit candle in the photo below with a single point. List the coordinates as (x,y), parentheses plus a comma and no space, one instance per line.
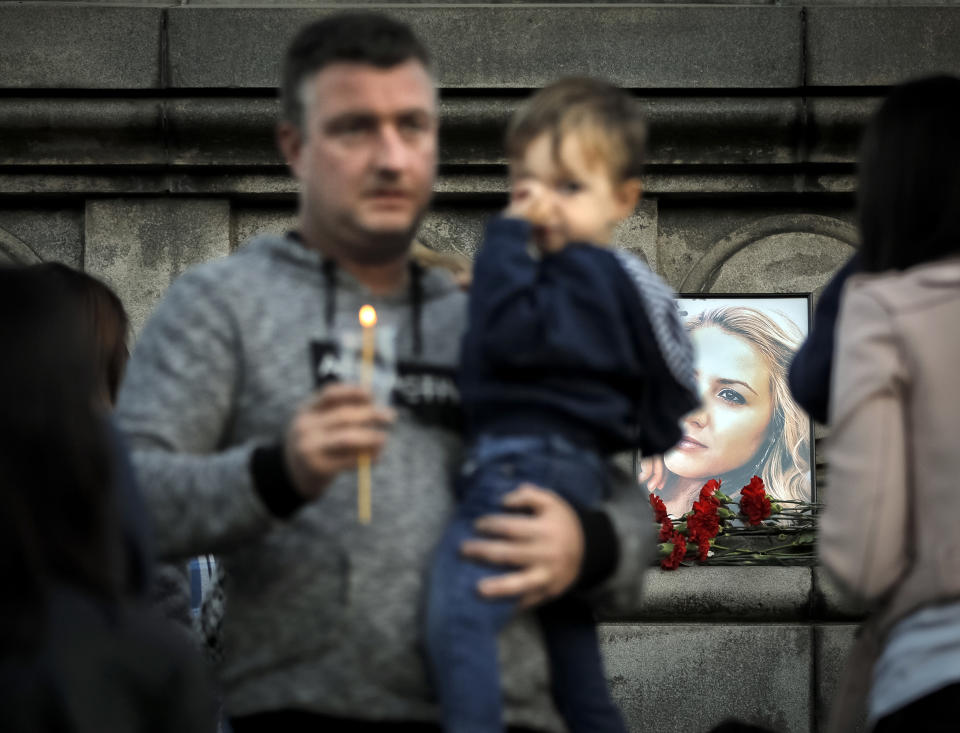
(368,319)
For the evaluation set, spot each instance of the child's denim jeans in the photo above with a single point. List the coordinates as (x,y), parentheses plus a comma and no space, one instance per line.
(462,626)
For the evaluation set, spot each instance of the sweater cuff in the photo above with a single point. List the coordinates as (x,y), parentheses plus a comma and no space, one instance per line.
(601,549)
(271,480)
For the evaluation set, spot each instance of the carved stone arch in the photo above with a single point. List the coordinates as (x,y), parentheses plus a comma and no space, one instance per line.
(15,251)
(704,272)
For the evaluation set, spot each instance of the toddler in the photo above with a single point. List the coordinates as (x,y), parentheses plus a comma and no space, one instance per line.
(573,351)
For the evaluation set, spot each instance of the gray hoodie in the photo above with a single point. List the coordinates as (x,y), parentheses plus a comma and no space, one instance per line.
(322,613)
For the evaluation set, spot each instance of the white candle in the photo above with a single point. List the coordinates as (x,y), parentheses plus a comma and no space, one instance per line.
(368,319)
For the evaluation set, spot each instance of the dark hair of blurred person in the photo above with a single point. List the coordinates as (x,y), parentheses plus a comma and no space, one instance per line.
(357,38)
(58,517)
(909,210)
(77,653)
(909,192)
(104,317)
(100,320)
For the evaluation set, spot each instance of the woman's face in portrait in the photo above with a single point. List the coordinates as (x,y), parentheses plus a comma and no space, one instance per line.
(737,405)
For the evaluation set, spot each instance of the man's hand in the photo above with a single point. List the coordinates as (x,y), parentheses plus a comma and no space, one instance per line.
(546,547)
(329,433)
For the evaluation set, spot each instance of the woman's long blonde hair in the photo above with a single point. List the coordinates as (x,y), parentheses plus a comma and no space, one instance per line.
(782,461)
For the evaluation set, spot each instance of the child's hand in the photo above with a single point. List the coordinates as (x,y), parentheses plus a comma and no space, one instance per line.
(532,201)
(528,201)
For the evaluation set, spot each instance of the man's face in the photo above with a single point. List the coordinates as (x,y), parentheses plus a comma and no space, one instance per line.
(366,156)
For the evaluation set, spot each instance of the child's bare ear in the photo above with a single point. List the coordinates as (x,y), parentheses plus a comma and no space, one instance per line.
(629,193)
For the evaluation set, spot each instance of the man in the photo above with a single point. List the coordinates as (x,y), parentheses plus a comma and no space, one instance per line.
(239,456)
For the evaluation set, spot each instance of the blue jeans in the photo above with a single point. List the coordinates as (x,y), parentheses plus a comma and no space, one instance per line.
(462,626)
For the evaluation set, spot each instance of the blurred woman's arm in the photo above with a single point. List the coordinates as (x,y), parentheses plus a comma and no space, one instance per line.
(862,532)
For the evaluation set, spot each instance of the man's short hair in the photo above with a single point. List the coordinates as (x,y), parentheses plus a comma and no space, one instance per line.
(364,38)
(608,120)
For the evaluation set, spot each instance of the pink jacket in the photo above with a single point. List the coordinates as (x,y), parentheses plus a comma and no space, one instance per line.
(891,530)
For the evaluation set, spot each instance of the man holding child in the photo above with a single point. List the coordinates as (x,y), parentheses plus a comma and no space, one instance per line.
(247,445)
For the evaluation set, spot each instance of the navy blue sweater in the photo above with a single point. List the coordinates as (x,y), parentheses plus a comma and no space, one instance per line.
(562,344)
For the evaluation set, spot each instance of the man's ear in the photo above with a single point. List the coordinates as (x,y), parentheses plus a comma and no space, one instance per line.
(628,194)
(290,143)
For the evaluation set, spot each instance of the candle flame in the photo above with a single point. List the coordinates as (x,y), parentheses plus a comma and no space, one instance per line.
(368,316)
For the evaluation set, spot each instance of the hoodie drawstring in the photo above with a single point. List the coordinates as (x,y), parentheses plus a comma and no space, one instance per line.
(330,281)
(416,305)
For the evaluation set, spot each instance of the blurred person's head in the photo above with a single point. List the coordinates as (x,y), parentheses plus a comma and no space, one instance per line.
(366,39)
(104,321)
(57,517)
(909,193)
(579,143)
(359,132)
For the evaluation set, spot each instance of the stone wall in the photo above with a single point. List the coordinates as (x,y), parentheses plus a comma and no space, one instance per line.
(136,139)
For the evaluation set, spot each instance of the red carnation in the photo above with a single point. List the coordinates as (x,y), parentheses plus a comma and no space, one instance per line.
(754,502)
(659,508)
(672,561)
(756,483)
(703,523)
(708,488)
(666,530)
(703,548)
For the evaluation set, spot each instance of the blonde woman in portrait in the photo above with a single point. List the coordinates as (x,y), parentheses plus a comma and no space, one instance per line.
(747,424)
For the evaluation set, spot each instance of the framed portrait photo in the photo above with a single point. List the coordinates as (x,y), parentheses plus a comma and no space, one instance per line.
(748,423)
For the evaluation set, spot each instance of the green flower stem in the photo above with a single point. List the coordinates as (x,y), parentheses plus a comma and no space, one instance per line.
(768,551)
